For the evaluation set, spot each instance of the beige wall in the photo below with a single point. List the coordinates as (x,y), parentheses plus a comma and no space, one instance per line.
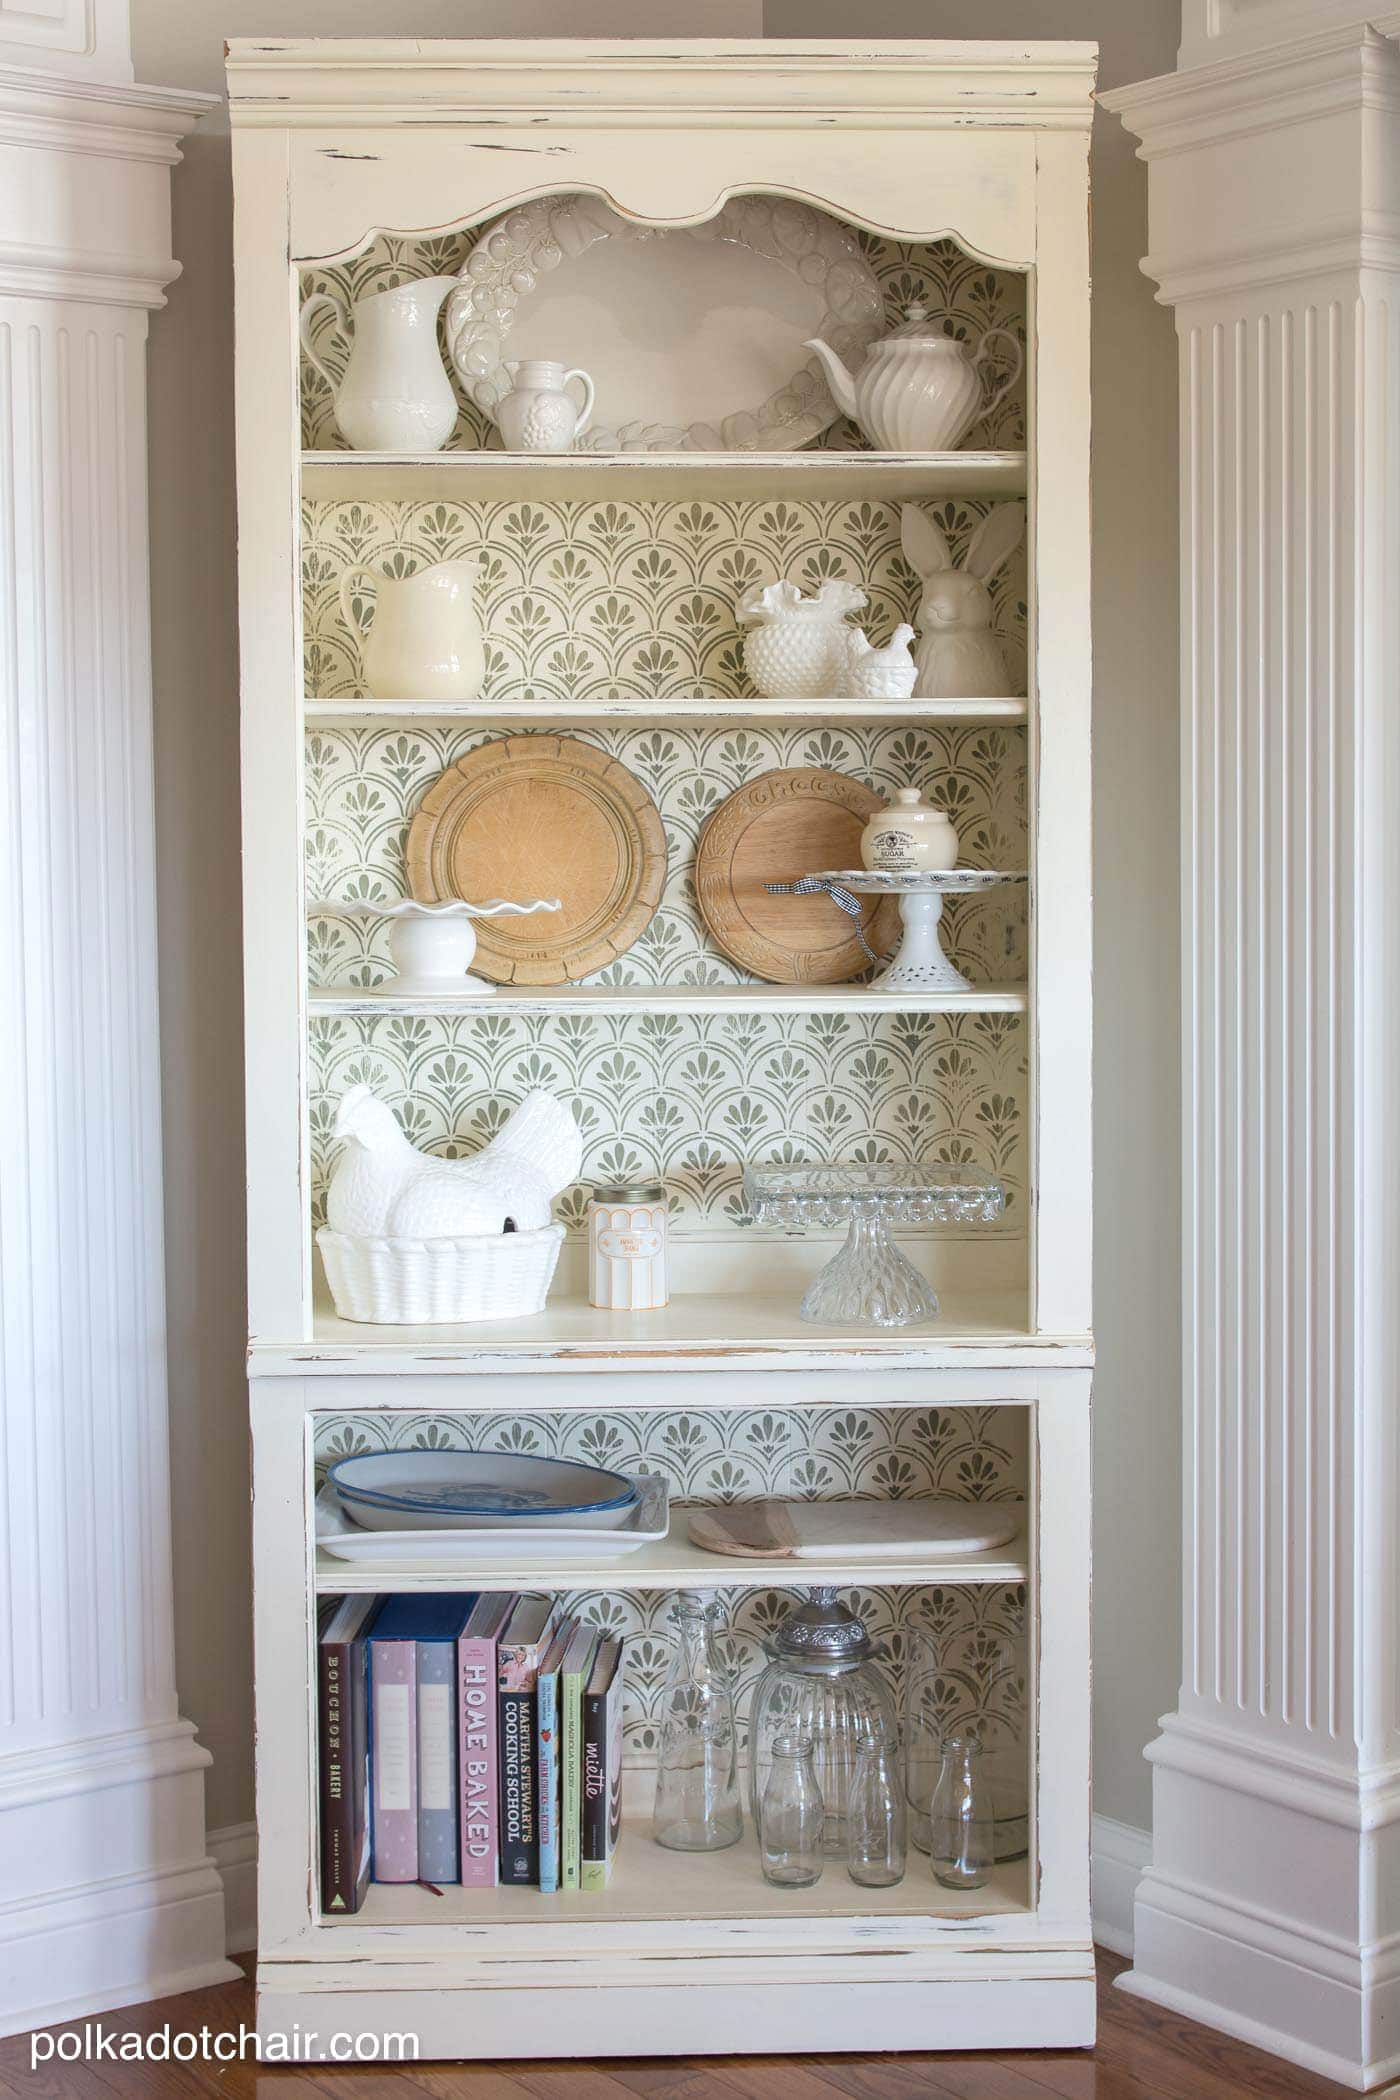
(179,42)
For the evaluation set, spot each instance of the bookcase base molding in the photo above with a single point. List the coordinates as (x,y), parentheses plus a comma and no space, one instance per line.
(824,2005)
(611,600)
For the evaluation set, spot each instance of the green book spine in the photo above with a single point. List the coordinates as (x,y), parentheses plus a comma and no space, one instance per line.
(577,1664)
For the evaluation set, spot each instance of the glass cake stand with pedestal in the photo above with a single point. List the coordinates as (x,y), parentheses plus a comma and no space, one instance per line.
(918,964)
(870,1282)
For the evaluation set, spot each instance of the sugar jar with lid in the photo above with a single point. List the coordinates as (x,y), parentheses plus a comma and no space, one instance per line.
(628,1232)
(909,837)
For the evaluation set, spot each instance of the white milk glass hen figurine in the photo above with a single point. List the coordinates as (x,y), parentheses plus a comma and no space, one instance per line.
(410,1239)
(385,1187)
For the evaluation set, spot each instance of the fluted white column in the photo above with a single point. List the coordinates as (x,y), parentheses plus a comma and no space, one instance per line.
(1272,1907)
(106,1891)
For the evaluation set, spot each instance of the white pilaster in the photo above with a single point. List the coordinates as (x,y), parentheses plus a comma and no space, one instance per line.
(1272,1906)
(107,1893)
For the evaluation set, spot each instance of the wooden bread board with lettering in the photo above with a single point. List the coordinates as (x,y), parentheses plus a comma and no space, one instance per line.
(775,1530)
(794,820)
(542,816)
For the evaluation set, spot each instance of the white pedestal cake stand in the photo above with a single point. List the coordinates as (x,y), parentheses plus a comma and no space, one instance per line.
(870,1282)
(919,964)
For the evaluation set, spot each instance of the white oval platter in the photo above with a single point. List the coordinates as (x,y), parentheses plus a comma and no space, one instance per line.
(694,336)
(647,1523)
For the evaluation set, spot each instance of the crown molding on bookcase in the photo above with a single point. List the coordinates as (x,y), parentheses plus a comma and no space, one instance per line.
(934,86)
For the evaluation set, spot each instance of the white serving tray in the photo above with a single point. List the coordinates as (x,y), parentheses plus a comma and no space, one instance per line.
(343,1540)
(930,1526)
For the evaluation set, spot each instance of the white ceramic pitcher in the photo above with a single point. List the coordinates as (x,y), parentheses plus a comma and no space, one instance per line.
(395,395)
(424,642)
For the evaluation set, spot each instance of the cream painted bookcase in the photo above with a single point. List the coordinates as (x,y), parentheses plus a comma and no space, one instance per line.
(609,601)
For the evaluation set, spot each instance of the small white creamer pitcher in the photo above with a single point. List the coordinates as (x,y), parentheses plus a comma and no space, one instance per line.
(425,639)
(538,414)
(394,395)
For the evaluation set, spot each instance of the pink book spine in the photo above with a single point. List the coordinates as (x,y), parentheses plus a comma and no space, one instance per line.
(394,1760)
(476,1762)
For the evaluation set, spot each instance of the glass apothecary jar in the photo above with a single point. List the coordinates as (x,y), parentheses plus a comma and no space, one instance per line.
(822,1683)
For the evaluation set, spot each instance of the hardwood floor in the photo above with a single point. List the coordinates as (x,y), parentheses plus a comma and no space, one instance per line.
(1142,2054)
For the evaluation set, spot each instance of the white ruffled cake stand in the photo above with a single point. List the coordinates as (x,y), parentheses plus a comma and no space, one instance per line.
(918,964)
(432,944)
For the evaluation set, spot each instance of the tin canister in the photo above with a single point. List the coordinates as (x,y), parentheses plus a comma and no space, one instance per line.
(628,1224)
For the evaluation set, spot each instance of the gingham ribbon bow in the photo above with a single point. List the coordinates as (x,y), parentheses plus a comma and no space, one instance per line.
(822,885)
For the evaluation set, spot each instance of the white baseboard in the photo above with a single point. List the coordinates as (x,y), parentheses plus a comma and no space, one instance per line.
(109,1896)
(1121,1854)
(234,1851)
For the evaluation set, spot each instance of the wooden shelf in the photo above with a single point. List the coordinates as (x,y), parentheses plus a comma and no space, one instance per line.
(491,476)
(714,1331)
(678,999)
(696,708)
(671,1563)
(650,1884)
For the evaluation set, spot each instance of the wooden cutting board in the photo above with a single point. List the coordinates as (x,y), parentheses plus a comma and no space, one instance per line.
(793,821)
(542,816)
(874,1531)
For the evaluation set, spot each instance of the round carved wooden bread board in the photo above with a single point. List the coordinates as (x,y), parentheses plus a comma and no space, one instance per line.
(787,823)
(542,816)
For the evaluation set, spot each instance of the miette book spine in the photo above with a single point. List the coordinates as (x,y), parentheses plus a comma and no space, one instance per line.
(394,1760)
(476,1762)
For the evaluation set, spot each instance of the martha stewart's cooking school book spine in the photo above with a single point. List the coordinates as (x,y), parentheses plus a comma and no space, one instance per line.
(477,1765)
(527,1634)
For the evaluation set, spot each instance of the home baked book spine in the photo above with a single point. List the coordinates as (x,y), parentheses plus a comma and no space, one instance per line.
(478,1771)
(394,1759)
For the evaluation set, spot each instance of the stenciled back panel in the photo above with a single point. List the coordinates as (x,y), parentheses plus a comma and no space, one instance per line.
(975,1663)
(951,288)
(693,1098)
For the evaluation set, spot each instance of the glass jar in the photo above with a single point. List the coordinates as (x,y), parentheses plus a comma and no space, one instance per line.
(820,1683)
(876,1825)
(935,1706)
(961,1841)
(793,1816)
(628,1239)
(697,1780)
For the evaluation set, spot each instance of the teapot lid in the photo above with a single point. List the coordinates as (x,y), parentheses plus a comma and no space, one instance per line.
(821,1634)
(919,326)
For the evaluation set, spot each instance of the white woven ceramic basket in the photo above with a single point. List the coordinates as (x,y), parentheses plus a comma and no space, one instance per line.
(490,1276)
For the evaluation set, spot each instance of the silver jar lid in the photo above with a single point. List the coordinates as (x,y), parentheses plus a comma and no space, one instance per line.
(821,1635)
(629,1192)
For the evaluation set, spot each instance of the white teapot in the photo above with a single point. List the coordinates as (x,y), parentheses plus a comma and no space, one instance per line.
(918,391)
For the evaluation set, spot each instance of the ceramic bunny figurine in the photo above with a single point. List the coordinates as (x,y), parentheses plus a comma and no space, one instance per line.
(958,655)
